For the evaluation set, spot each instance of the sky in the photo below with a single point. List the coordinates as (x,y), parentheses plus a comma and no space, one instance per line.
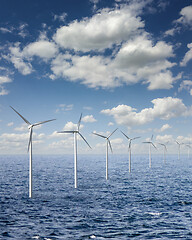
(123,64)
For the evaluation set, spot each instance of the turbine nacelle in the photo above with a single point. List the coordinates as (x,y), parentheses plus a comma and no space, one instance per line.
(107,138)
(77,131)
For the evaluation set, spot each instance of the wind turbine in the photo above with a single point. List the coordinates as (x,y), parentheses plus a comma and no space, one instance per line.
(187,145)
(30,127)
(130,140)
(179,146)
(150,143)
(75,133)
(107,143)
(165,150)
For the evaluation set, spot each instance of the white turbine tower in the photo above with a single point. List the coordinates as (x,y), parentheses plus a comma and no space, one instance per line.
(75,133)
(30,127)
(187,145)
(150,143)
(164,153)
(107,143)
(179,146)
(130,140)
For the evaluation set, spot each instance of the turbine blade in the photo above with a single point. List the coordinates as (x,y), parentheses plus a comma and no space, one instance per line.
(99,135)
(129,144)
(166,148)
(177,142)
(21,116)
(112,133)
(125,135)
(152,137)
(146,142)
(30,138)
(39,123)
(153,145)
(66,132)
(84,139)
(110,145)
(135,138)
(78,125)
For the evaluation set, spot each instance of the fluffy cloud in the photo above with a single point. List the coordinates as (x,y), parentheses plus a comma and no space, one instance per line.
(188,56)
(70,126)
(17,58)
(165,139)
(163,128)
(187,85)
(4,80)
(186,15)
(88,118)
(101,31)
(61,17)
(164,108)
(133,56)
(75,68)
(22,58)
(43,49)
(137,60)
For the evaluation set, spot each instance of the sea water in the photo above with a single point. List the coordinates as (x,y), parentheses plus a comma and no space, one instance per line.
(147,203)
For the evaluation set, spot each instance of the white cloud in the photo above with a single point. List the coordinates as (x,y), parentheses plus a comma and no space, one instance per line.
(42,48)
(5,30)
(10,124)
(137,60)
(21,59)
(22,30)
(95,2)
(60,17)
(163,128)
(165,139)
(188,56)
(133,58)
(141,51)
(22,128)
(18,141)
(70,126)
(75,68)
(164,108)
(87,108)
(186,15)
(16,57)
(110,124)
(4,80)
(88,118)
(64,107)
(186,84)
(101,31)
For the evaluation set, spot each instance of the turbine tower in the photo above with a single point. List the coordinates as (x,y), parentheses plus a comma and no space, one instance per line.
(179,146)
(75,133)
(187,145)
(150,143)
(30,127)
(130,140)
(107,143)
(165,150)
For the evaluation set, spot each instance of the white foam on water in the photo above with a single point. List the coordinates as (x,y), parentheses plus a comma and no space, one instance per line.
(155,213)
(92,236)
(36,237)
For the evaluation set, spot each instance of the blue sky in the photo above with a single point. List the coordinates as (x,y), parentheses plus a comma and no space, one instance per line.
(124,64)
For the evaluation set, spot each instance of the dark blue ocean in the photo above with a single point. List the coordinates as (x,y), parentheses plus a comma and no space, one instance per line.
(147,203)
